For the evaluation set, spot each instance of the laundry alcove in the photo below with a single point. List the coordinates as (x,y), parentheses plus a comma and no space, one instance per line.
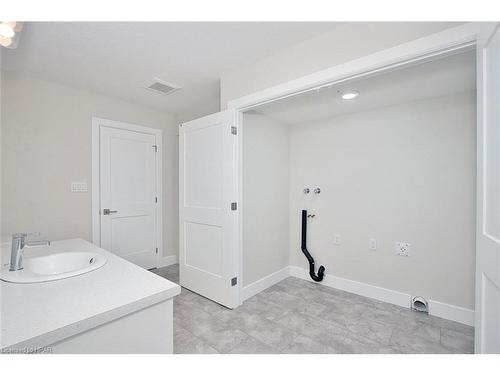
(394,164)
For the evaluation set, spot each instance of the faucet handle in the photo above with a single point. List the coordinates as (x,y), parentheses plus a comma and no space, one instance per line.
(35,239)
(23,237)
(37,243)
(26,234)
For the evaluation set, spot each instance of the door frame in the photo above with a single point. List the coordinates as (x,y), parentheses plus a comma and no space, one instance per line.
(451,40)
(97,123)
(481,198)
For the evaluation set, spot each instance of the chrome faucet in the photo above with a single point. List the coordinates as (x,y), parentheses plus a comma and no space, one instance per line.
(19,243)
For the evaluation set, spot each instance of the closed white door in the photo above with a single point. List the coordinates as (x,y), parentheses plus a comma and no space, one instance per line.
(128,195)
(487,324)
(208,255)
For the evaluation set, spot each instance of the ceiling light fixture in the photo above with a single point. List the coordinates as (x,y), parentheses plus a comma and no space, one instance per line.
(6,30)
(9,33)
(348,95)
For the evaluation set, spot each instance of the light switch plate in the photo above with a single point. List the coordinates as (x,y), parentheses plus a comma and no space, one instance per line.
(79,187)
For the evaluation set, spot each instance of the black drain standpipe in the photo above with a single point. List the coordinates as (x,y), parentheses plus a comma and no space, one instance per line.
(310,259)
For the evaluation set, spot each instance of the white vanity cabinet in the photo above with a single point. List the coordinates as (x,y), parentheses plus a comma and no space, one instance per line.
(118,308)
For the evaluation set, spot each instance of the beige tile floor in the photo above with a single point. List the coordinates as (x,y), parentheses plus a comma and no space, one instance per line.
(296,316)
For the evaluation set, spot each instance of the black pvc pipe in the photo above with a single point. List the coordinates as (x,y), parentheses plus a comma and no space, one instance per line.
(310,259)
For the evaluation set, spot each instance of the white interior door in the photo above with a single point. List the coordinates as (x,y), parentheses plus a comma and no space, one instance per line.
(487,324)
(208,255)
(128,194)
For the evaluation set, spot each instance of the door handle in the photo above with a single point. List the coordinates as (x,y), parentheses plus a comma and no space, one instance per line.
(107,211)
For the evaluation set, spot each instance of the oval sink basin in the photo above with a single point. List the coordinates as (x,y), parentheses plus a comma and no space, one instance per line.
(54,267)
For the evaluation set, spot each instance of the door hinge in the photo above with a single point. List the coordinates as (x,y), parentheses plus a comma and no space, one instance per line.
(156,250)
(234,206)
(234,130)
(234,281)
(155,147)
(156,199)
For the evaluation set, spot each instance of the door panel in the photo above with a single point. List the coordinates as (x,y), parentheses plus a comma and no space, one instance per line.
(204,165)
(128,186)
(487,326)
(208,255)
(204,247)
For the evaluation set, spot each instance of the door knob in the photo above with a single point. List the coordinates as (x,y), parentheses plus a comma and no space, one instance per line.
(107,211)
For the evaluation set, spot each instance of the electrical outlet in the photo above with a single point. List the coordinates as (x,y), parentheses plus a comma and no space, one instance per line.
(336,239)
(403,249)
(372,244)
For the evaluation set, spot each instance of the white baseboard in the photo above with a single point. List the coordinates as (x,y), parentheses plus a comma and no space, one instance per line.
(451,312)
(436,308)
(264,283)
(167,261)
(356,287)
(439,309)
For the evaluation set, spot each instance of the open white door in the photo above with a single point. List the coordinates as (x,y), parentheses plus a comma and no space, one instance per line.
(487,322)
(208,162)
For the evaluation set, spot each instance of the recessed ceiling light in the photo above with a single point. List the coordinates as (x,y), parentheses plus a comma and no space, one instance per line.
(348,95)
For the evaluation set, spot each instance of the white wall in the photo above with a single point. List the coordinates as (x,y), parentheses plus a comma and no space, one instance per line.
(265,197)
(46,145)
(400,173)
(346,42)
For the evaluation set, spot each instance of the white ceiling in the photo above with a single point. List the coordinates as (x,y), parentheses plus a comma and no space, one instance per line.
(445,76)
(120,59)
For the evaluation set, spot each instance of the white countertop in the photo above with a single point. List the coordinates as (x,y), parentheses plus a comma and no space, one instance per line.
(40,314)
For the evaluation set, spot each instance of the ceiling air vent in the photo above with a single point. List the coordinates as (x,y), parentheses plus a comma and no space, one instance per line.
(162,87)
